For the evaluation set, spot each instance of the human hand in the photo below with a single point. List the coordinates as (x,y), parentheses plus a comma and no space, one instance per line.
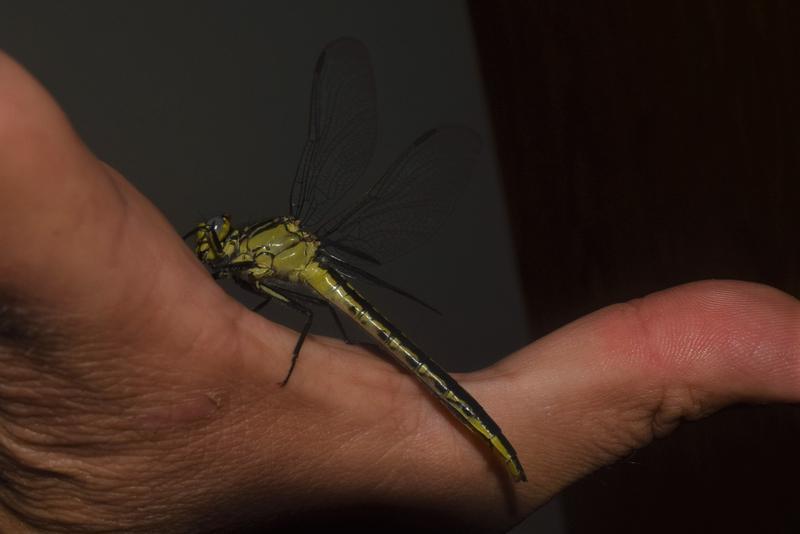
(136,395)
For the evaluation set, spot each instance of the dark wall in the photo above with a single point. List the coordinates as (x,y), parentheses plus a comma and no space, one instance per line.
(644,145)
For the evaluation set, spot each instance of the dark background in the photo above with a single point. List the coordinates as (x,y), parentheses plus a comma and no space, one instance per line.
(646,144)
(641,146)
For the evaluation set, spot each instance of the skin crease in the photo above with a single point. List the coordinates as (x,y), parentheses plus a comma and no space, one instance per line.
(126,404)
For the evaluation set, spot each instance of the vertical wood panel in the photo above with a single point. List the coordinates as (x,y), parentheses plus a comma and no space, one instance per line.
(644,145)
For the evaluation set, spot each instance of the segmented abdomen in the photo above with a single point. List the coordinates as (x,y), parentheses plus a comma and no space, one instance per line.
(337,291)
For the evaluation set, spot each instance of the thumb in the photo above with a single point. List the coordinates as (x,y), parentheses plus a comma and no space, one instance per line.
(52,188)
(613,381)
(79,241)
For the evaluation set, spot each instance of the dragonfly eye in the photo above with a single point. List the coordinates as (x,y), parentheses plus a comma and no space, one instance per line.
(221,225)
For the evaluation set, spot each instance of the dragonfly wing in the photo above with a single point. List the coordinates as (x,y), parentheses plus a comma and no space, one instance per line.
(350,271)
(341,131)
(411,200)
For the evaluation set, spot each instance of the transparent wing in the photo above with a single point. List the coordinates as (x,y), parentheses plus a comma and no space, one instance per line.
(341,131)
(408,204)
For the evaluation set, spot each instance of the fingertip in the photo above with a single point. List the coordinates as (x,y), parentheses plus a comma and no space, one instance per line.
(54,194)
(732,338)
(38,145)
(40,152)
(25,105)
(610,382)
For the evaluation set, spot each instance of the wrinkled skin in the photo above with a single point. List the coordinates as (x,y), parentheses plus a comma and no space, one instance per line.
(126,405)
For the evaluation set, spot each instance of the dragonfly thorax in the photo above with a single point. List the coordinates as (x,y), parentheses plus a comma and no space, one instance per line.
(280,248)
(277,248)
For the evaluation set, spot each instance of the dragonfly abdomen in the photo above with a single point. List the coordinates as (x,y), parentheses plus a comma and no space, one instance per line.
(337,291)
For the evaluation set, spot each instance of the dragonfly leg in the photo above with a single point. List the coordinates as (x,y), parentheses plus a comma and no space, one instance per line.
(229,268)
(322,302)
(269,293)
(244,285)
(263,303)
(302,297)
(292,299)
(339,324)
(303,333)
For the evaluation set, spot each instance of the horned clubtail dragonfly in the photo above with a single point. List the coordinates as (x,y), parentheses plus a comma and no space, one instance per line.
(302,259)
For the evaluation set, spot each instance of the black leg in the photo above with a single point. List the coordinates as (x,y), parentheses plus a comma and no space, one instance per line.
(230,268)
(339,324)
(303,333)
(290,298)
(265,291)
(190,233)
(319,302)
(264,303)
(247,287)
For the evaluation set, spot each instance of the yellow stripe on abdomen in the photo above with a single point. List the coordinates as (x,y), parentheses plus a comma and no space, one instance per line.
(347,299)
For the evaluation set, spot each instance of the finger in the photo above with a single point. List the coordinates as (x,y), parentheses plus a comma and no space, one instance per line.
(53,190)
(76,234)
(613,381)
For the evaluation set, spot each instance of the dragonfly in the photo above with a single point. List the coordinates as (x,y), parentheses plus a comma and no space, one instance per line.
(310,257)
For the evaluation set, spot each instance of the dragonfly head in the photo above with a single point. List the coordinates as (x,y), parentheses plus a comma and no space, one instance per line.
(211,239)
